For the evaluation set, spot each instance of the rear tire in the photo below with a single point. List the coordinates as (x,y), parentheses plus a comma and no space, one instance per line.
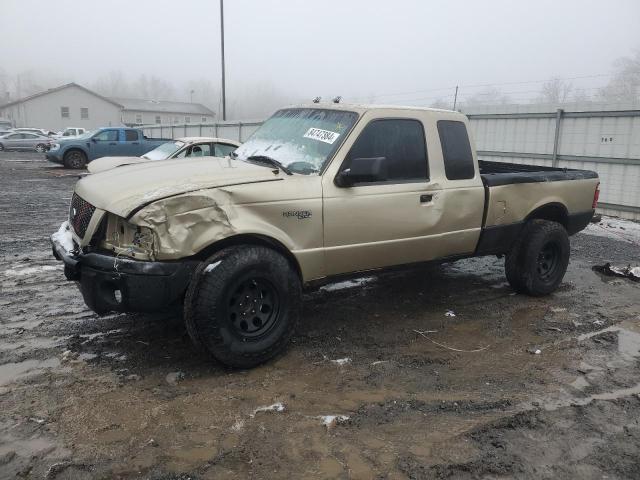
(40,148)
(539,258)
(242,305)
(75,159)
(1,147)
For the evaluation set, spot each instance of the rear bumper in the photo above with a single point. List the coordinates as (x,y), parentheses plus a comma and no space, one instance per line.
(121,284)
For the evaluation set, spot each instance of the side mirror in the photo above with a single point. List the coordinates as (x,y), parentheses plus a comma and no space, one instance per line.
(93,139)
(363,170)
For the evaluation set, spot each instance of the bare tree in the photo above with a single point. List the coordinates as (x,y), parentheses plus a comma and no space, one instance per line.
(580,95)
(556,91)
(441,103)
(114,84)
(489,96)
(625,83)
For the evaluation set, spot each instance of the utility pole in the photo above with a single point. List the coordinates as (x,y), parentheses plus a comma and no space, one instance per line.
(224,99)
(455,98)
(191,95)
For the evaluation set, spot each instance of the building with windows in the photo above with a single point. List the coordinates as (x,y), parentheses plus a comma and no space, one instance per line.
(148,112)
(73,105)
(70,105)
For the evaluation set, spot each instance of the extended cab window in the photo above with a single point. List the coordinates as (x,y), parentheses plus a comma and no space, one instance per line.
(107,136)
(131,136)
(456,150)
(401,142)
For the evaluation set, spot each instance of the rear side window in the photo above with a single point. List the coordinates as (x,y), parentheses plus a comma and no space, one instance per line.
(131,136)
(456,150)
(107,136)
(400,141)
(223,149)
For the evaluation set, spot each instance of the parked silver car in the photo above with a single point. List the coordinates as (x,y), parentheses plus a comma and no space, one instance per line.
(25,141)
(37,131)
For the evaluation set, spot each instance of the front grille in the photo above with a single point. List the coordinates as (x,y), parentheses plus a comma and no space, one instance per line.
(80,213)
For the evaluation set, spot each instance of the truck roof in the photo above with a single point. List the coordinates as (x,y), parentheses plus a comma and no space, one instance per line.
(362,107)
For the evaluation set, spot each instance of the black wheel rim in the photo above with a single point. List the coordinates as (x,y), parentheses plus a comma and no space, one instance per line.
(253,307)
(548,261)
(75,160)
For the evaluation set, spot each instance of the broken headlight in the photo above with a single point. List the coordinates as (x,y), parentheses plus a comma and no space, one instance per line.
(127,239)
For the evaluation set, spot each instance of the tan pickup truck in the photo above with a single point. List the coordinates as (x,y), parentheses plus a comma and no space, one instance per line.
(317,192)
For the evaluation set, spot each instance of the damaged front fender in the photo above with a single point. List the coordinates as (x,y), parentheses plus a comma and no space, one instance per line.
(183,224)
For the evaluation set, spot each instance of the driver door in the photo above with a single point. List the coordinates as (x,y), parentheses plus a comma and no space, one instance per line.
(105,143)
(386,221)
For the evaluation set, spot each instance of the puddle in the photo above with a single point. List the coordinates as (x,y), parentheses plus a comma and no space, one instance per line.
(10,372)
(628,340)
(550,405)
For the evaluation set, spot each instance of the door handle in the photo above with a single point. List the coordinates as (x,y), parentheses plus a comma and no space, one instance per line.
(113,143)
(426,198)
(136,143)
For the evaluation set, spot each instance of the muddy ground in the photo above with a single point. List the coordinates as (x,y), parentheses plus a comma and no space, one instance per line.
(360,394)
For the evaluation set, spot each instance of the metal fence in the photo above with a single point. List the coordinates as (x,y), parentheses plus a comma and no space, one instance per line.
(239,131)
(600,137)
(604,138)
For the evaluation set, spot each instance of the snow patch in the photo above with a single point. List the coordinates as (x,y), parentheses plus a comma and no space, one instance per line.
(238,425)
(63,237)
(276,407)
(341,361)
(29,270)
(331,420)
(356,282)
(616,228)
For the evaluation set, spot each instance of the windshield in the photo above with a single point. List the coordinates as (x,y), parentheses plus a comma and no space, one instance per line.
(164,151)
(301,139)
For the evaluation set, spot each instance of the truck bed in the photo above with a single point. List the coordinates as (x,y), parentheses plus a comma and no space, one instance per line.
(494,174)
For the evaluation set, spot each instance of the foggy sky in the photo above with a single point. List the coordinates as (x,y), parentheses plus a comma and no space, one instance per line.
(353,48)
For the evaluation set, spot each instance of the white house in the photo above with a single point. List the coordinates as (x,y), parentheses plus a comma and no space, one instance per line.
(70,105)
(73,105)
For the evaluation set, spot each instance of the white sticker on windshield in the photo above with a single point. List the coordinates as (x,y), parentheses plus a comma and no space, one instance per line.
(322,135)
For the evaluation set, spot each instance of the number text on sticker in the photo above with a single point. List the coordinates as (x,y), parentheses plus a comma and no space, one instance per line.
(322,135)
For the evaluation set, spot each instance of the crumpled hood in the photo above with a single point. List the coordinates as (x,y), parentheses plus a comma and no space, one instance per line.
(107,163)
(122,190)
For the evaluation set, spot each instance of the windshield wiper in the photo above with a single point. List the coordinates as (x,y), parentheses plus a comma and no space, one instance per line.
(270,161)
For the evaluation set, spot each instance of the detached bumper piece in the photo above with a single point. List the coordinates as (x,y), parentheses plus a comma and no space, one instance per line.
(122,284)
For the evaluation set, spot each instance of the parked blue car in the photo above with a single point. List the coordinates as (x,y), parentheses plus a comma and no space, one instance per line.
(76,152)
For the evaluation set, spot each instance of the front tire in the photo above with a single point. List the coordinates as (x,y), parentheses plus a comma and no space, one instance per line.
(242,305)
(1,147)
(75,159)
(539,258)
(40,148)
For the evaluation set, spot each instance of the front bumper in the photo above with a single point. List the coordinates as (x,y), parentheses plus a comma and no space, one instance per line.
(54,157)
(110,283)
